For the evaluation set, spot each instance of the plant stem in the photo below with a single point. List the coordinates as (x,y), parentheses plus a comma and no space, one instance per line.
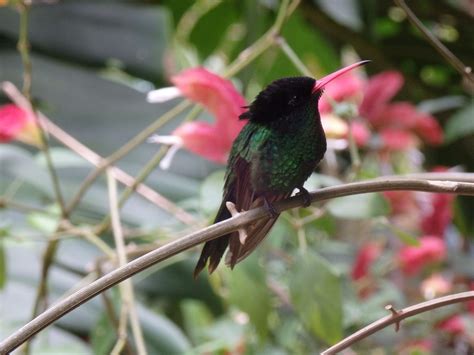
(293,57)
(126,289)
(449,56)
(23,47)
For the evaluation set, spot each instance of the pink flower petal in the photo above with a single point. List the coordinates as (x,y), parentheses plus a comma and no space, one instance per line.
(366,255)
(413,258)
(205,140)
(361,133)
(438,215)
(396,140)
(379,91)
(429,129)
(12,120)
(219,97)
(453,325)
(17,124)
(343,88)
(401,115)
(216,94)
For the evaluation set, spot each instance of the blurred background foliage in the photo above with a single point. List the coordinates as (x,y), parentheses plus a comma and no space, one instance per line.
(94,62)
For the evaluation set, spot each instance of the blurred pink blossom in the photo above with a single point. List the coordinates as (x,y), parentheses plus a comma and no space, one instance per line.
(413,258)
(212,141)
(399,123)
(434,286)
(345,88)
(17,124)
(453,325)
(366,255)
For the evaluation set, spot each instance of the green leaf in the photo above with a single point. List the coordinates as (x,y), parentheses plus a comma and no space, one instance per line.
(103,336)
(460,125)
(359,206)
(211,192)
(315,292)
(248,291)
(46,223)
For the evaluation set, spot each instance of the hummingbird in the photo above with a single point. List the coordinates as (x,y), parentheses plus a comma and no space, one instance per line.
(276,151)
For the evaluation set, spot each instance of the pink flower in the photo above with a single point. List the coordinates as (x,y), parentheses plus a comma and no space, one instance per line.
(399,123)
(360,132)
(212,141)
(438,214)
(413,258)
(17,124)
(435,285)
(366,255)
(453,325)
(397,139)
(379,91)
(344,88)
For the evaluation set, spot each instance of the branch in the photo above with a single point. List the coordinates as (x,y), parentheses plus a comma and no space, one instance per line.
(214,231)
(24,50)
(126,289)
(449,56)
(396,317)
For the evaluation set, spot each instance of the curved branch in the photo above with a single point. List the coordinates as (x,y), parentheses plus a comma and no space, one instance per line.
(396,317)
(216,230)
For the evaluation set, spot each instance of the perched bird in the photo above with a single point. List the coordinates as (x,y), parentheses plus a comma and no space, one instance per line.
(276,151)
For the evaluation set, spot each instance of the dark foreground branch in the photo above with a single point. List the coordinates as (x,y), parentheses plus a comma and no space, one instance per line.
(216,230)
(396,317)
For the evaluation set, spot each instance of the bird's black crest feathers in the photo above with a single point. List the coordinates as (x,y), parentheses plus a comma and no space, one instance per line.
(278,98)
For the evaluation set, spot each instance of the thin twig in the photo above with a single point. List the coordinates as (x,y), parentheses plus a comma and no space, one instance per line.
(214,231)
(292,56)
(449,56)
(142,175)
(24,50)
(125,149)
(95,159)
(249,54)
(126,289)
(396,317)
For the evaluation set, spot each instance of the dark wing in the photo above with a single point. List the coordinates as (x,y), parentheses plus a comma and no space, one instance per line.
(238,189)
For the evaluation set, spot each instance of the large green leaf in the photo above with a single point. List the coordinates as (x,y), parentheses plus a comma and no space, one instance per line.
(359,206)
(315,292)
(249,292)
(461,124)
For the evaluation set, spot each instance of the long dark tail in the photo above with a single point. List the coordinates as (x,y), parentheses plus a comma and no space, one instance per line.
(214,249)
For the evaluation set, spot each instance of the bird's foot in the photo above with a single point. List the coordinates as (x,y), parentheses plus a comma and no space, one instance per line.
(233,212)
(306,196)
(269,207)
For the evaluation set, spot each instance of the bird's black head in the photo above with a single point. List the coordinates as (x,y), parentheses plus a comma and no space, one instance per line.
(286,96)
(281,98)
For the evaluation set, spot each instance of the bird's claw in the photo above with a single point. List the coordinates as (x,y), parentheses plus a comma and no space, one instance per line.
(269,207)
(306,196)
(233,212)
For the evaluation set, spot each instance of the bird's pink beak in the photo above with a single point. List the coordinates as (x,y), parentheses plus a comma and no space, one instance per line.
(328,78)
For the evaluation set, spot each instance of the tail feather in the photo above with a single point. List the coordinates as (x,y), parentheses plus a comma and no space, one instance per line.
(214,249)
